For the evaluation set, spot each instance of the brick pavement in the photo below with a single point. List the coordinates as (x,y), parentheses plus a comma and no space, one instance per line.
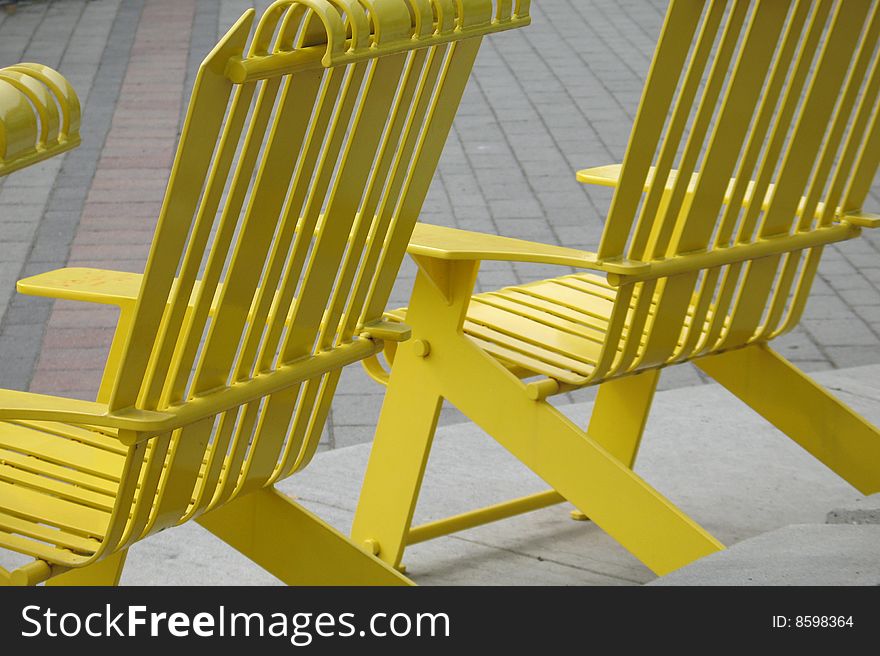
(542,103)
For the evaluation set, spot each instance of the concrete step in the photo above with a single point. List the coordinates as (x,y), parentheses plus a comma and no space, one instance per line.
(711,455)
(801,554)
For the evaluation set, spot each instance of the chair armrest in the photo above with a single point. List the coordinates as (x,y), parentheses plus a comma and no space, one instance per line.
(120,288)
(605,176)
(609,176)
(16,405)
(102,286)
(441,243)
(80,284)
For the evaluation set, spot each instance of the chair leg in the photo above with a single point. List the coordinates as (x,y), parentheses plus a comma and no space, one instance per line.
(799,407)
(580,468)
(295,545)
(643,521)
(621,412)
(397,460)
(104,572)
(619,415)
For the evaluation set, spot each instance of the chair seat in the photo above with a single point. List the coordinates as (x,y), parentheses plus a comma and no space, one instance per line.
(554,328)
(57,488)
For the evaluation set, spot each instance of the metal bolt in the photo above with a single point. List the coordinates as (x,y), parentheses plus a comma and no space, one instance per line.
(421,348)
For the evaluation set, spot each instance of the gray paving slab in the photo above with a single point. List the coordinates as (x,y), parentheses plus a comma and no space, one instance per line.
(719,462)
(803,554)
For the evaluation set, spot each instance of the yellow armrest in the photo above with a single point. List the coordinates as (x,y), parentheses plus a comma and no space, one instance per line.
(80,284)
(443,243)
(121,288)
(102,286)
(15,405)
(605,176)
(609,176)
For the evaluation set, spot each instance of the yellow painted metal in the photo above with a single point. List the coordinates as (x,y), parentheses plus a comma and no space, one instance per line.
(103,572)
(39,116)
(294,544)
(442,243)
(268,273)
(482,516)
(576,465)
(754,146)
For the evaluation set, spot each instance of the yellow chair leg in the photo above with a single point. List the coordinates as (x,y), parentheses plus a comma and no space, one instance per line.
(295,545)
(620,413)
(104,572)
(802,409)
(579,468)
(396,467)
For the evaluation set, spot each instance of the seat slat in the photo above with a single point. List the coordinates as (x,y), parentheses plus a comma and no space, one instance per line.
(512,358)
(59,450)
(583,313)
(541,316)
(55,487)
(533,350)
(23,527)
(39,550)
(66,515)
(102,440)
(59,472)
(576,348)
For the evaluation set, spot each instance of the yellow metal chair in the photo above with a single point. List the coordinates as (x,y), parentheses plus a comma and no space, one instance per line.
(755,143)
(300,174)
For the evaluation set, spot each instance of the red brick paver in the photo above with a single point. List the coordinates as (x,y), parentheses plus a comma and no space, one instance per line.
(120,212)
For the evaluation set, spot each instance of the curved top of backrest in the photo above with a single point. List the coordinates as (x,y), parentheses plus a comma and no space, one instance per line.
(757,119)
(298,34)
(39,115)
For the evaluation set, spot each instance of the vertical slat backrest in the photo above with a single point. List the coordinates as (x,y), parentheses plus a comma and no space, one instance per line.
(758,120)
(302,169)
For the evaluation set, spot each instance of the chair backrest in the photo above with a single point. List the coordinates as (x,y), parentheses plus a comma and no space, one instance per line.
(300,174)
(39,115)
(758,121)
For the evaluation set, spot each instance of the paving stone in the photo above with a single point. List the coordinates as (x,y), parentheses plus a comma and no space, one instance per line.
(841,332)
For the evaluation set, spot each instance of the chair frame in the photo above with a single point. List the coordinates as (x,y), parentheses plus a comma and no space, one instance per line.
(683,283)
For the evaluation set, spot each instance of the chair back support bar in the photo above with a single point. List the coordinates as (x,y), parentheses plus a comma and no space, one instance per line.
(759,121)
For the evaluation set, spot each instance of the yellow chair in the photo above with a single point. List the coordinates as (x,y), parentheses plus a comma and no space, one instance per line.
(755,143)
(300,174)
